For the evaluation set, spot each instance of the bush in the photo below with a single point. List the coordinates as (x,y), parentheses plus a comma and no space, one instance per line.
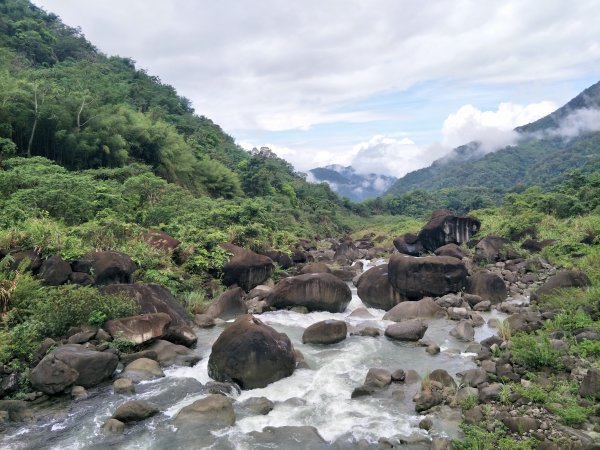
(534,351)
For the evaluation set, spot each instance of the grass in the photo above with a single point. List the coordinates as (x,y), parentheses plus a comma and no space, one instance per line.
(477,438)
(504,330)
(388,226)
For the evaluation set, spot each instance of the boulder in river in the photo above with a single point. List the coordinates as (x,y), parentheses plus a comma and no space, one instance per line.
(213,412)
(444,228)
(246,268)
(173,354)
(425,308)
(488,286)
(135,411)
(433,276)
(251,354)
(142,369)
(294,437)
(315,291)
(229,305)
(325,332)
(410,330)
(376,291)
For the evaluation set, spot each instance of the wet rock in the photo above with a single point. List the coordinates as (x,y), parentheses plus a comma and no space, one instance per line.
(127,358)
(369,332)
(295,437)
(444,227)
(18,410)
(458,313)
(443,377)
(375,289)
(425,400)
(590,386)
(440,443)
(463,331)
(426,424)
(246,268)
(181,335)
(363,391)
(139,329)
(398,376)
(411,376)
(135,411)
(114,426)
(204,321)
(212,412)
(452,250)
(252,354)
(474,377)
(317,292)
(378,378)
(55,271)
(433,349)
(410,330)
(123,386)
(142,369)
(78,393)
(325,332)
(229,305)
(425,309)
(169,354)
(488,286)
(52,374)
(362,313)
(257,406)
(562,280)
(431,276)
(409,244)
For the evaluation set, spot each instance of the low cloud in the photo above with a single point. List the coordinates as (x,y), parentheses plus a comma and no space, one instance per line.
(578,122)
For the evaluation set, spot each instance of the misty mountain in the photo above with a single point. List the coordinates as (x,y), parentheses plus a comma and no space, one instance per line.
(546,150)
(348,183)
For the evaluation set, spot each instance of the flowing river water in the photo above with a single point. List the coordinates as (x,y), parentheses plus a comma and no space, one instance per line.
(319,396)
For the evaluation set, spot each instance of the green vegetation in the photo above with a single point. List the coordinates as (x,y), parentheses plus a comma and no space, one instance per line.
(476,438)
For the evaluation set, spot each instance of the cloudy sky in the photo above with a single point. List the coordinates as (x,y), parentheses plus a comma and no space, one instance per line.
(387,85)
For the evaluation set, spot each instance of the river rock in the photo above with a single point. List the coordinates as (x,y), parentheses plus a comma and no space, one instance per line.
(229,305)
(489,393)
(204,321)
(425,309)
(590,386)
(378,378)
(325,332)
(474,377)
(108,267)
(294,437)
(18,410)
(443,377)
(257,406)
(409,330)
(142,369)
(283,260)
(212,412)
(409,244)
(444,228)
(246,268)
(562,280)
(114,426)
(488,286)
(252,354)
(92,367)
(135,411)
(169,354)
(123,386)
(433,276)
(127,358)
(181,335)
(375,290)
(139,329)
(463,331)
(425,400)
(317,267)
(452,250)
(55,271)
(521,424)
(491,249)
(317,292)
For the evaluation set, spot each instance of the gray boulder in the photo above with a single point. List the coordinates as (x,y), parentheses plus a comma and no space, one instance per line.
(139,329)
(213,412)
(375,290)
(135,411)
(488,286)
(425,308)
(229,305)
(410,330)
(325,332)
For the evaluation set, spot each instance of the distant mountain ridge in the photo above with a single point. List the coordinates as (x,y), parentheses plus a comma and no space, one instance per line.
(346,182)
(542,155)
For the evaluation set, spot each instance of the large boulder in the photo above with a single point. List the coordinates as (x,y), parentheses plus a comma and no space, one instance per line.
(488,286)
(590,386)
(562,280)
(325,332)
(429,276)
(491,249)
(142,369)
(168,354)
(346,251)
(55,271)
(161,240)
(283,260)
(251,354)
(135,411)
(246,268)
(213,412)
(444,228)
(229,305)
(107,267)
(410,330)
(409,244)
(139,329)
(425,308)
(92,367)
(450,250)
(33,258)
(375,289)
(317,267)
(315,291)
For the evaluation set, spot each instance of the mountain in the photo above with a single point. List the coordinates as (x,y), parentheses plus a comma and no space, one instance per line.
(545,152)
(347,183)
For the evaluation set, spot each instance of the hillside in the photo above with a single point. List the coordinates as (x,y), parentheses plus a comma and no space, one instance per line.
(546,151)
(346,182)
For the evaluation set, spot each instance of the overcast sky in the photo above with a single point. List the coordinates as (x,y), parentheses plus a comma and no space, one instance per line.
(386,85)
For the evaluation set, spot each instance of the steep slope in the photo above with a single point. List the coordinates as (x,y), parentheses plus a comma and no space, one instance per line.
(543,155)
(346,182)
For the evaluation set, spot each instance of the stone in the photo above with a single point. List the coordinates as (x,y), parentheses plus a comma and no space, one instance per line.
(251,354)
(521,424)
(409,244)
(483,306)
(317,292)
(452,250)
(433,349)
(82,337)
(562,280)
(204,321)
(82,279)
(123,386)
(78,393)
(135,411)
(425,400)
(142,369)
(246,268)
(444,378)
(127,358)
(257,406)
(161,240)
(465,393)
(139,329)
(325,332)
(444,227)
(18,410)
(489,393)
(490,249)
(441,443)
(214,411)
(378,378)
(283,260)
(434,276)
(228,306)
(449,300)
(488,286)
(114,426)
(107,267)
(318,267)
(181,335)
(424,309)
(33,256)
(169,354)
(305,437)
(363,391)
(426,424)
(410,330)
(590,386)
(88,368)
(473,416)
(398,376)
(55,271)
(463,331)
(9,384)
(375,290)
(474,377)
(362,313)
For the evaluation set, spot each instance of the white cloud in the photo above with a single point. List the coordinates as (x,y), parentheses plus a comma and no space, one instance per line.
(493,129)
(578,122)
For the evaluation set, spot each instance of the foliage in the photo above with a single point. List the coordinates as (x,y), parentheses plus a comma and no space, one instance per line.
(123,345)
(477,438)
(534,351)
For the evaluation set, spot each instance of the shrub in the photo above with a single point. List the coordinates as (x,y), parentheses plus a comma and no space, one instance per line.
(534,351)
